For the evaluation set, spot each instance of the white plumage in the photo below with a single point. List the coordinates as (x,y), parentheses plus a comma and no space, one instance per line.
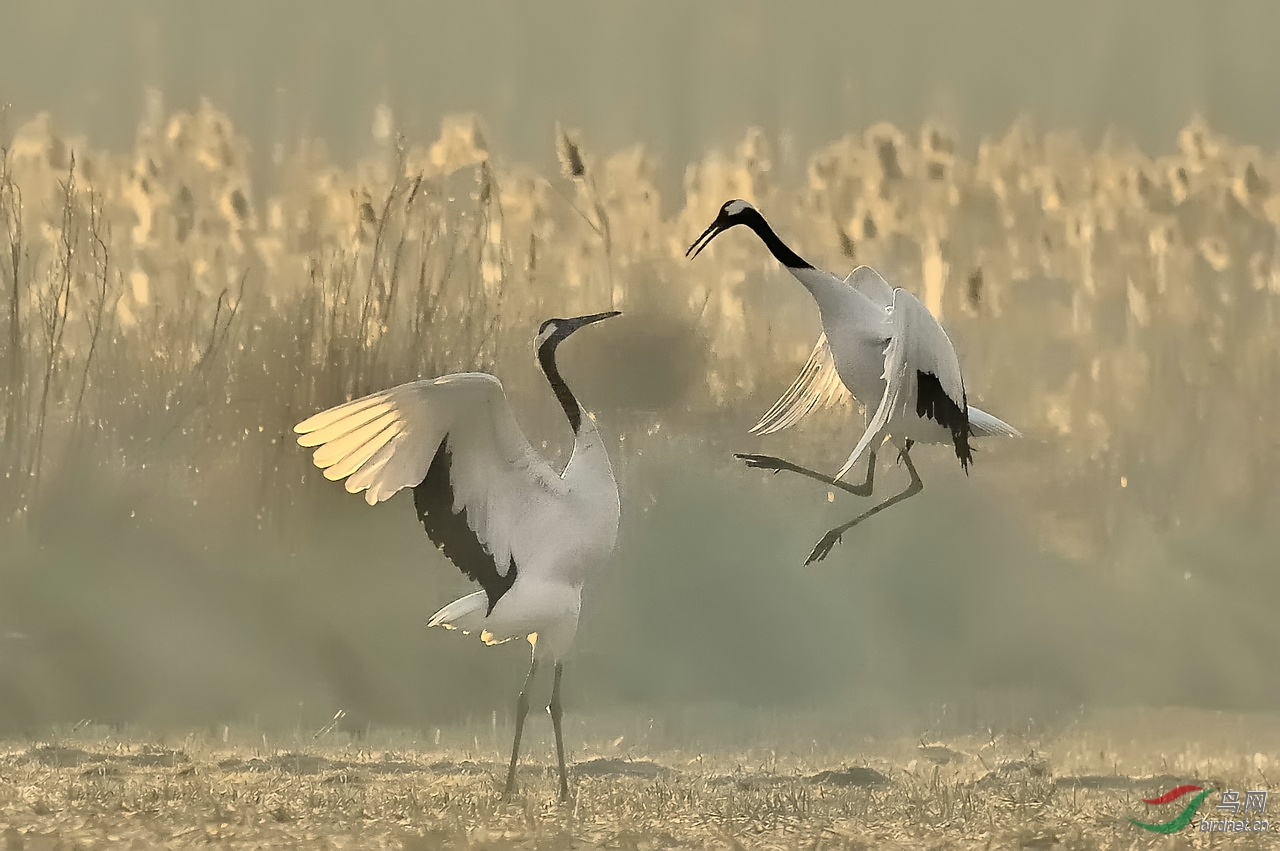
(882,345)
(817,386)
(527,535)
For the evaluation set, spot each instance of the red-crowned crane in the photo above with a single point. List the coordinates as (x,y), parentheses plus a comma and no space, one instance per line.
(882,345)
(527,535)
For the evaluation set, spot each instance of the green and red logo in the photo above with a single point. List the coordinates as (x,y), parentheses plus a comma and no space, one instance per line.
(1183,818)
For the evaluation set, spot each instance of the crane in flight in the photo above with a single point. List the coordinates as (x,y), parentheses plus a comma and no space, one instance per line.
(529,536)
(883,346)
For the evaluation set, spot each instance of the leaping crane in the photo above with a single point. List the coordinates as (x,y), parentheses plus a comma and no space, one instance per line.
(882,345)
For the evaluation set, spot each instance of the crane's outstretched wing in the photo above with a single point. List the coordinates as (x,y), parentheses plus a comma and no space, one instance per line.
(477,482)
(922,374)
(817,386)
(869,282)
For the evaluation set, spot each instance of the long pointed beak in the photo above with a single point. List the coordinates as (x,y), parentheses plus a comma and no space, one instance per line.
(703,241)
(583,321)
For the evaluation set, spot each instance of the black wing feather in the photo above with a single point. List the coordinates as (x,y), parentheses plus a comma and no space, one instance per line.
(934,403)
(433,498)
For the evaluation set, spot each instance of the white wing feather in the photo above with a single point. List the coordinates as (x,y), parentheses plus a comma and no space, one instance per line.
(817,386)
(986,425)
(385,442)
(870,283)
(917,344)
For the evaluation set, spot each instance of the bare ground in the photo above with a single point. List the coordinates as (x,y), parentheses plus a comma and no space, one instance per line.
(1070,788)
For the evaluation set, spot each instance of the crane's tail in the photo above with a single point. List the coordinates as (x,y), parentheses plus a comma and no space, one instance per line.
(467,615)
(983,424)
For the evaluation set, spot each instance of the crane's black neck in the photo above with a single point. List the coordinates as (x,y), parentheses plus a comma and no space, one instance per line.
(547,360)
(779,249)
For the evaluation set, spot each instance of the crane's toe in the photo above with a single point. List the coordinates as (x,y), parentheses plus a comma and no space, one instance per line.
(823,548)
(764,462)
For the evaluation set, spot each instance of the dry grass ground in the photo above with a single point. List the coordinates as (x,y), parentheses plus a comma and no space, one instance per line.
(1070,788)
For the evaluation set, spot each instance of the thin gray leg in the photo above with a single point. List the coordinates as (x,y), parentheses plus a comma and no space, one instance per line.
(556,714)
(832,538)
(907,448)
(778,465)
(522,709)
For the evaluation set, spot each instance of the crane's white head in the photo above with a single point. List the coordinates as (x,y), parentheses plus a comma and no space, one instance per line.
(735,212)
(553,331)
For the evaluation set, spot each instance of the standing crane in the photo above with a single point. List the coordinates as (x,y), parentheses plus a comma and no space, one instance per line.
(883,346)
(527,535)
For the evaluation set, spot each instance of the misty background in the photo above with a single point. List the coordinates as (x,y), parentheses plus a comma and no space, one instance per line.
(273,208)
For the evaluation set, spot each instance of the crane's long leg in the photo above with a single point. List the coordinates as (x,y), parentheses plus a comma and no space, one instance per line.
(522,709)
(778,465)
(832,538)
(556,714)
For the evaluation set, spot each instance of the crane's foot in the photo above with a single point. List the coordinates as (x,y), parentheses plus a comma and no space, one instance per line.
(824,547)
(778,465)
(768,462)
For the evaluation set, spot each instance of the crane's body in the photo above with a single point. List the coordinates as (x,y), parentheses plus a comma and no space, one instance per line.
(881,345)
(858,329)
(527,535)
(571,533)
